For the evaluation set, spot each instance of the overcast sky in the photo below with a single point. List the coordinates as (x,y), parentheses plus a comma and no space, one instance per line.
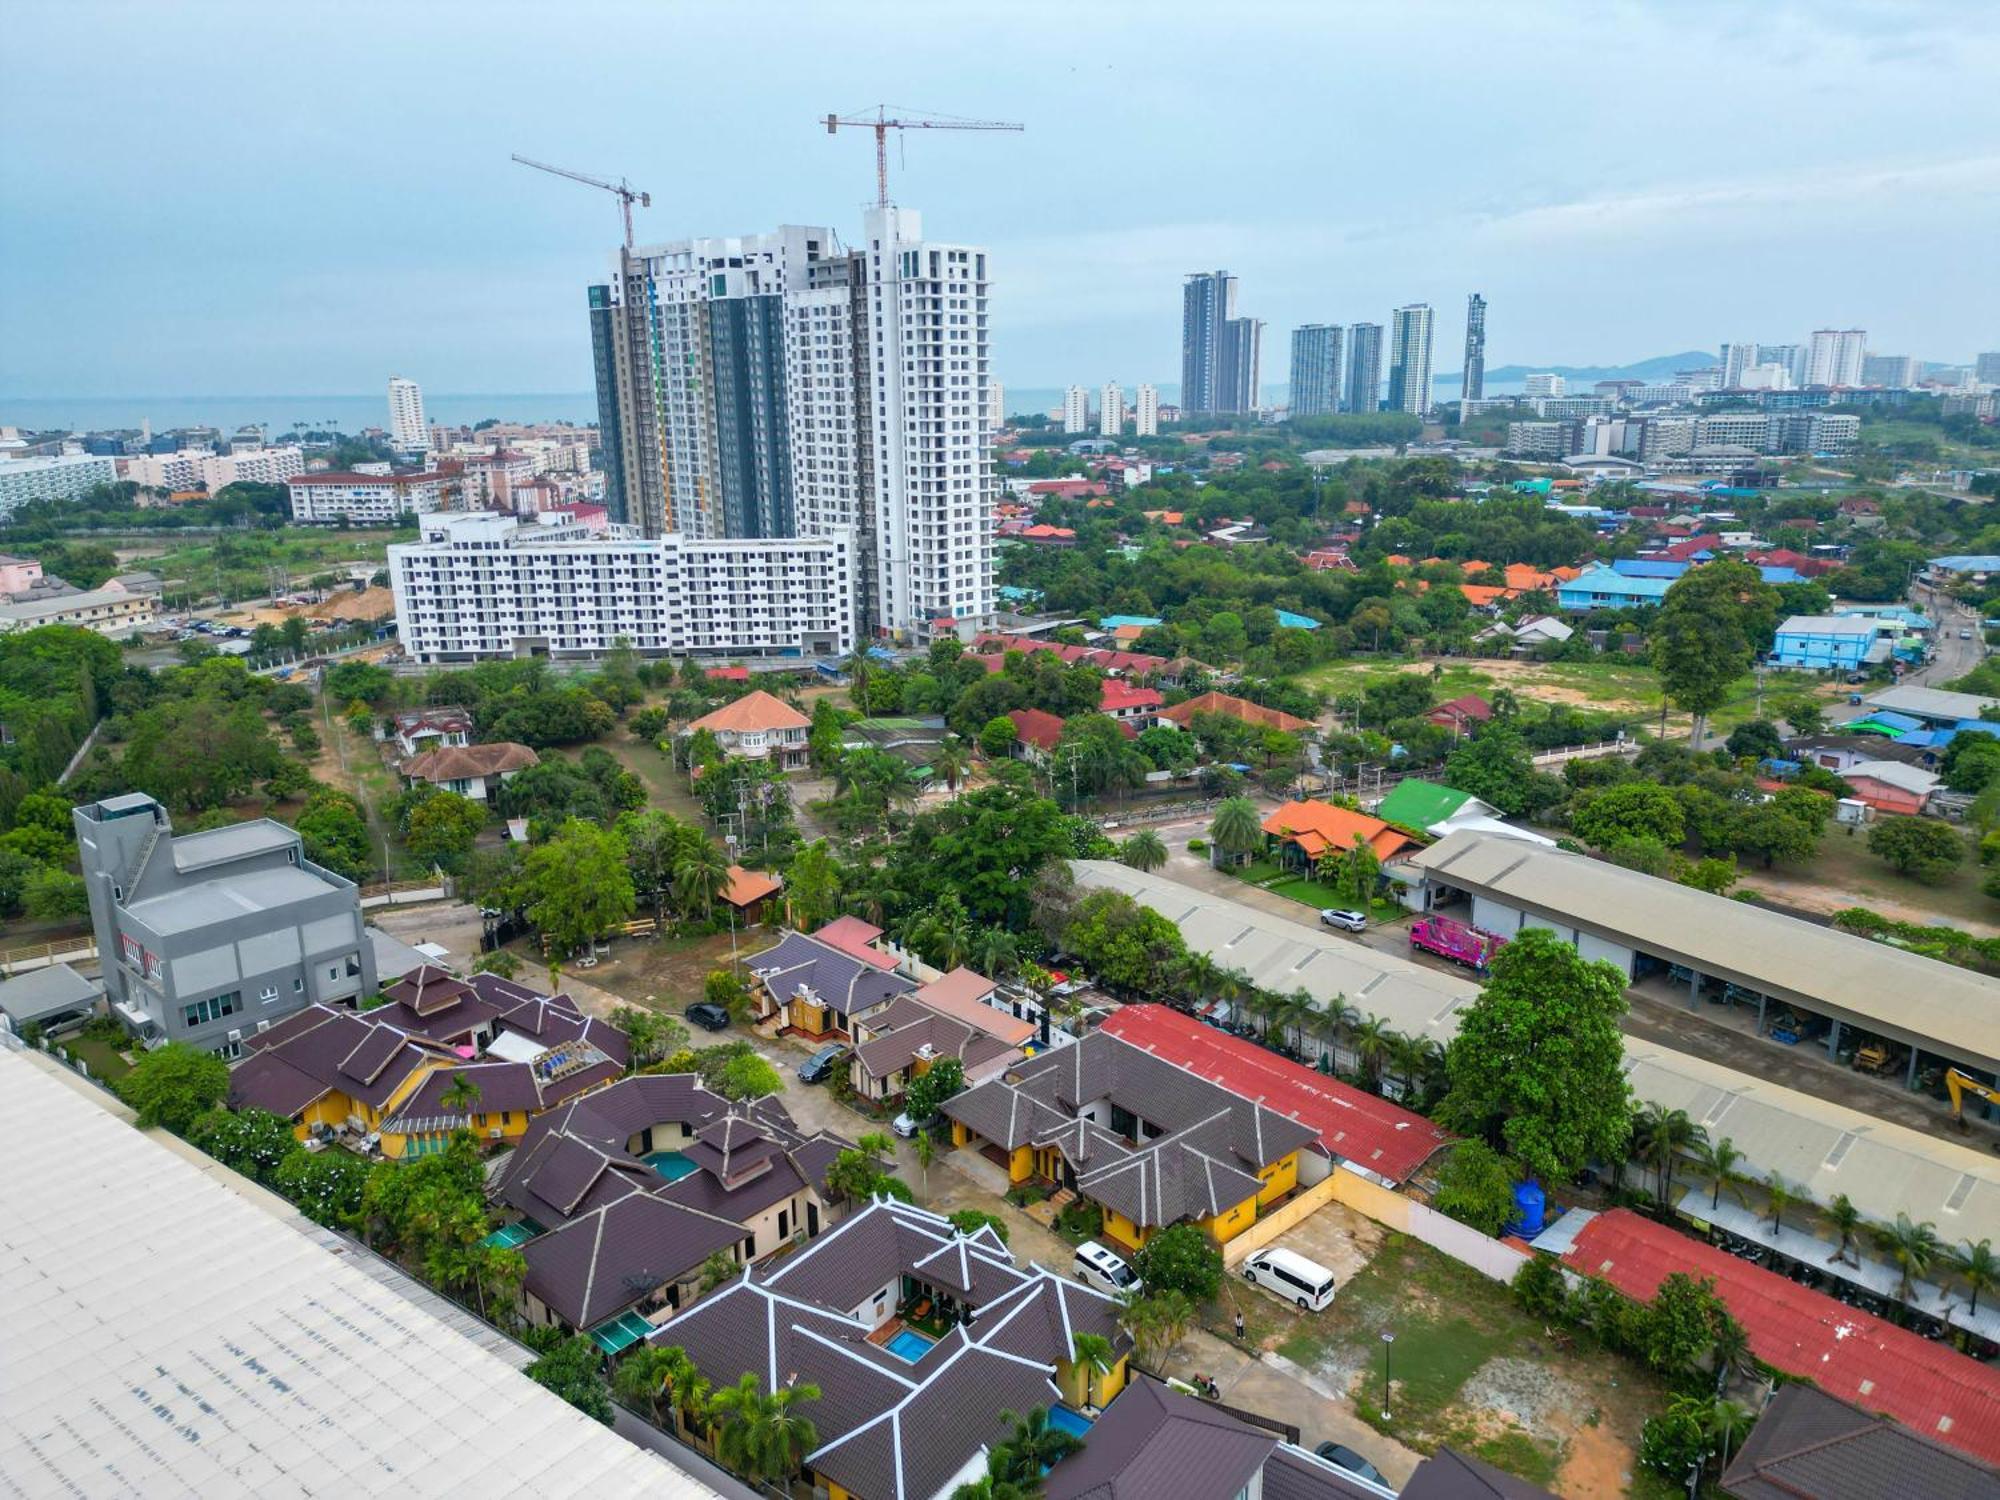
(210,197)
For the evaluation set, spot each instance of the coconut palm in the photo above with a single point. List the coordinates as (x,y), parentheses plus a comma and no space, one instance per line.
(1731,1350)
(996,952)
(857,668)
(1199,977)
(1372,1045)
(654,1375)
(701,877)
(991,1486)
(1846,1221)
(1034,1446)
(1726,1423)
(1978,1267)
(1912,1248)
(1236,830)
(950,763)
(925,1147)
(762,1435)
(1673,1132)
(1288,1012)
(460,1095)
(1779,1195)
(1144,850)
(1716,1164)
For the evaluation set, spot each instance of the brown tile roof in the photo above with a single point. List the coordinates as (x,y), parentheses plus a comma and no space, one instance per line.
(364,1058)
(1808,1445)
(1451,1475)
(1153,1441)
(463,762)
(615,1256)
(753,711)
(748,886)
(909,1029)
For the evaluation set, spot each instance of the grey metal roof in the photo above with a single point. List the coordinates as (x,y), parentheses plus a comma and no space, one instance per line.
(596,1266)
(841,980)
(1929,703)
(195,851)
(218,900)
(1153,1441)
(1909,998)
(47,992)
(1809,1446)
(1451,1475)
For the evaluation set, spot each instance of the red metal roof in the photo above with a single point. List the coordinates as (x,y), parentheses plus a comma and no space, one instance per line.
(1358,1127)
(1929,1388)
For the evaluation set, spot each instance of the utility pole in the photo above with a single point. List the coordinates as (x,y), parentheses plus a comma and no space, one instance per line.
(882,123)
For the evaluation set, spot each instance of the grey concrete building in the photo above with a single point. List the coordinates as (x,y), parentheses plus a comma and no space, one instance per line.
(206,938)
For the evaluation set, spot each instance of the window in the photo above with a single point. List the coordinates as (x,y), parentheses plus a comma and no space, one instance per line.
(267,994)
(229,1051)
(214,1009)
(298,985)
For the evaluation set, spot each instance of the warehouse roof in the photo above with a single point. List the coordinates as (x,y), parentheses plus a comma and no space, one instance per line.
(1931,703)
(300,1378)
(1902,995)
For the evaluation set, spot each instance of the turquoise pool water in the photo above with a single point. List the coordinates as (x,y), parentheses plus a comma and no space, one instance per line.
(1073,1422)
(669,1164)
(910,1345)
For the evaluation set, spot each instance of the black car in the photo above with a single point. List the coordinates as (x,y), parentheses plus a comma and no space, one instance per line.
(1348,1459)
(819,1067)
(708,1016)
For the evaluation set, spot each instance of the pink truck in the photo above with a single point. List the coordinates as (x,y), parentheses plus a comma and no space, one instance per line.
(1462,944)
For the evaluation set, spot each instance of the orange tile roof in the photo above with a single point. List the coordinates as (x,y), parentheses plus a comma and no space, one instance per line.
(1236,708)
(751,712)
(1318,826)
(746,886)
(1480,595)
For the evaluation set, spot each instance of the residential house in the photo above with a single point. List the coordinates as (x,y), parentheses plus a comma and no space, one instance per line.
(758,726)
(1526,633)
(857,939)
(1438,810)
(621,1197)
(206,937)
(918,1338)
(1890,785)
(1808,1445)
(820,988)
(475,771)
(1598,587)
(1240,709)
(1460,715)
(1036,734)
(1136,706)
(431,729)
(1149,1142)
(1301,832)
(752,893)
(1839,753)
(1829,643)
(907,1037)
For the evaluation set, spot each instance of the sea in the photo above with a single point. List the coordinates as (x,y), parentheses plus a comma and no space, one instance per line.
(281,413)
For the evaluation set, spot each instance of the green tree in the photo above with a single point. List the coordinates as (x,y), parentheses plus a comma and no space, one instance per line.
(574,1370)
(765,1435)
(1971,762)
(747,1076)
(1638,809)
(929,1089)
(441,830)
(171,1086)
(813,885)
(998,738)
(1144,850)
(335,833)
(329,1187)
(577,885)
(1846,1221)
(1681,1325)
(1537,1067)
(1911,1248)
(1707,630)
(1978,1267)
(1717,1164)
(1921,848)
(1157,1320)
(702,877)
(1476,1187)
(1033,1447)
(1495,766)
(972,1220)
(1755,739)
(251,1141)
(1180,1258)
(654,1376)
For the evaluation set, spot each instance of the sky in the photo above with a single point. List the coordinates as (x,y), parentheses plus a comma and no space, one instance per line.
(215,197)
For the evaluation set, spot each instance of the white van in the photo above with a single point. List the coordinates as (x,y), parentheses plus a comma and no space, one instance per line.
(1291,1277)
(1098,1267)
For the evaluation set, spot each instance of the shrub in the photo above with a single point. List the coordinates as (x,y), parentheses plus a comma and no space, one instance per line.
(971,1220)
(1540,1289)
(1476,1187)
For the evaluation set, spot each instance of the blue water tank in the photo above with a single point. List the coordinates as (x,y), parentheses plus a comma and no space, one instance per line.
(1529,1204)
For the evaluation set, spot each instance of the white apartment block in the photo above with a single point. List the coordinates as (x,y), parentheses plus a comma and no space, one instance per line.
(1111,410)
(822,411)
(364,499)
(68,477)
(1834,356)
(408,430)
(483,586)
(198,469)
(1544,385)
(996,405)
(1736,358)
(1076,409)
(927,322)
(1146,413)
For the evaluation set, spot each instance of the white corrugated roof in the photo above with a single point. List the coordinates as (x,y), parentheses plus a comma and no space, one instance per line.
(168,1334)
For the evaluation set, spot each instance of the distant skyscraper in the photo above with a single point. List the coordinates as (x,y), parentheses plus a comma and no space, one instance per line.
(1111,410)
(1472,385)
(1364,367)
(1238,377)
(1076,409)
(1987,368)
(1410,359)
(1220,352)
(1834,356)
(1891,371)
(1316,352)
(1146,413)
(1544,385)
(1791,356)
(408,431)
(1736,358)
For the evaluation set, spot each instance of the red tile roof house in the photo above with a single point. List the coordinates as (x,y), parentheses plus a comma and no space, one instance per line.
(432,729)
(1036,734)
(758,726)
(1138,707)
(1459,715)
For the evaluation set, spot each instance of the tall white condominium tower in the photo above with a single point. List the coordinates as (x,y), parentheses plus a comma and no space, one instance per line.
(1146,412)
(1076,409)
(1986,368)
(1410,359)
(1364,367)
(1472,382)
(782,385)
(1315,387)
(1834,356)
(1111,410)
(1736,359)
(1544,385)
(408,431)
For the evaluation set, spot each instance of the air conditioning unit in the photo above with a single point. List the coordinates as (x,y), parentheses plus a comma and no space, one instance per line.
(495,1133)
(263,1025)
(235,1036)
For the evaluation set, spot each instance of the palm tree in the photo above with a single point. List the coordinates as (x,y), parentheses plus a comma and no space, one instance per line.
(1716,1165)
(653,1374)
(702,877)
(951,762)
(762,1435)
(1200,976)
(996,952)
(1726,1422)
(991,1486)
(1288,1011)
(1645,1122)
(1407,1058)
(1731,1350)
(1324,1026)
(1035,1445)
(1913,1247)
(1371,1045)
(1780,1195)
(925,1147)
(1236,830)
(1978,1268)
(1144,850)
(857,667)
(1672,1133)
(460,1094)
(1846,1221)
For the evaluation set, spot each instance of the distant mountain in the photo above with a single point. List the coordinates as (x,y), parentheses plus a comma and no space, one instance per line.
(1652,371)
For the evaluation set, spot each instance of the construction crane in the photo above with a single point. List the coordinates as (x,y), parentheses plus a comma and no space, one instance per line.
(1958,1084)
(624,190)
(882,123)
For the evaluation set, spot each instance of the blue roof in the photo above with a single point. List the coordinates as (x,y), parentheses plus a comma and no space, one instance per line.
(1890,720)
(1648,567)
(1781,575)
(1976,726)
(1925,739)
(1113,622)
(1296,622)
(1962,562)
(1600,580)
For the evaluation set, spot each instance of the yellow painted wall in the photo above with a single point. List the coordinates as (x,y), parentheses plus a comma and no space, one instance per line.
(1279,1179)
(960,1135)
(1021,1164)
(833,1491)
(1225,1227)
(1086,1385)
(1269,1226)
(1123,1230)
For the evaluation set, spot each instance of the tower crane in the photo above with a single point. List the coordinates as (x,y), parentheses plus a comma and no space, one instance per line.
(623,190)
(882,122)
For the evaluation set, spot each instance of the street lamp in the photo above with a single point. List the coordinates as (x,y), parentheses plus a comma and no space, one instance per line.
(1388,1338)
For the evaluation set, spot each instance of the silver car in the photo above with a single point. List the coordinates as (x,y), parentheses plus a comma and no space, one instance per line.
(1346,921)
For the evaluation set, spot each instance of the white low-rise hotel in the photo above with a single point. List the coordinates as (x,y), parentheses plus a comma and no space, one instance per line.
(481,586)
(335,495)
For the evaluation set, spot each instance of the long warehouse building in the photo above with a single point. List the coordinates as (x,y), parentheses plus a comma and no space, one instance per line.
(1825,1147)
(1734,950)
(478,586)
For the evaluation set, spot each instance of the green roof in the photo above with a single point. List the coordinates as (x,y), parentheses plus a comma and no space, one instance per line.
(1419,804)
(621,1333)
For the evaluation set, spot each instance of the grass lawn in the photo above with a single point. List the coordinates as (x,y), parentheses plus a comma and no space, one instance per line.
(666,787)
(102,1058)
(1846,874)
(1357,674)
(1450,1323)
(1309,891)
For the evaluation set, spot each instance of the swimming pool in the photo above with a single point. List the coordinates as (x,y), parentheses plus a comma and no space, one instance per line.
(1072,1422)
(910,1345)
(669,1164)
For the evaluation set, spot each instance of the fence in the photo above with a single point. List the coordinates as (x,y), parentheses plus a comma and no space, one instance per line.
(69,950)
(1287,1214)
(1598,751)
(404,893)
(1460,1241)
